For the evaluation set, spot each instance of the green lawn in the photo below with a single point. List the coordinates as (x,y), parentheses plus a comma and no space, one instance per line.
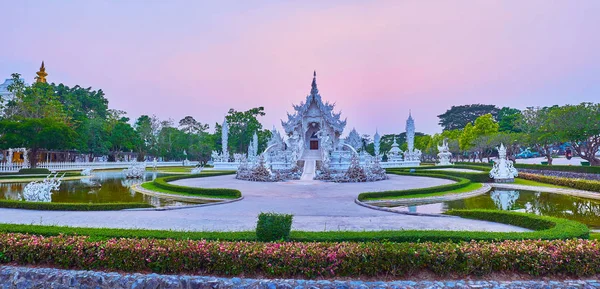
(537,184)
(469,188)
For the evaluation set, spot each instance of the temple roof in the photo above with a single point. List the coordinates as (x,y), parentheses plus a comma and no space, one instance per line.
(326,111)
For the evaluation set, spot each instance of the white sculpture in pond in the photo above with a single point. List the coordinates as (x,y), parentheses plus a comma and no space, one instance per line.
(86,172)
(503,170)
(41,191)
(504,200)
(135,170)
(444,154)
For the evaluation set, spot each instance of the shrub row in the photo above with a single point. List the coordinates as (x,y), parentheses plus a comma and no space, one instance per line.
(579,184)
(27,176)
(71,206)
(483,177)
(546,228)
(460,183)
(574,257)
(163,183)
(578,169)
(34,171)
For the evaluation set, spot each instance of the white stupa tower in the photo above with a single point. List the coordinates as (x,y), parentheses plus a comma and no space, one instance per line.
(410,132)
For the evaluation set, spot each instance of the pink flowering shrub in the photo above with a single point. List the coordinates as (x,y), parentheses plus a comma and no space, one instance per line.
(575,257)
(580,184)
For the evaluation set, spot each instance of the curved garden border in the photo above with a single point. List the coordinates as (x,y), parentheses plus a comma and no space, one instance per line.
(426,200)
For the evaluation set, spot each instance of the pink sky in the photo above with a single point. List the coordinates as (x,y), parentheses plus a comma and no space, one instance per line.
(375,59)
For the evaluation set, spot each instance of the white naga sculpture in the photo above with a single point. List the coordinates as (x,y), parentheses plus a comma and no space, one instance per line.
(41,191)
(503,170)
(444,155)
(87,172)
(135,170)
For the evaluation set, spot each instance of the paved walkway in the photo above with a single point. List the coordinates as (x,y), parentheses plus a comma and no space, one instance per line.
(316,206)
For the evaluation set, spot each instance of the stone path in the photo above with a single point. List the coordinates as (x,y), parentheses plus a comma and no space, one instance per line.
(316,205)
(24,277)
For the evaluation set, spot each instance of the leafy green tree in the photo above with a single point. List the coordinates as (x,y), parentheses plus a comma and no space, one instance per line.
(35,134)
(579,125)
(148,128)
(457,117)
(508,119)
(535,124)
(242,126)
(190,126)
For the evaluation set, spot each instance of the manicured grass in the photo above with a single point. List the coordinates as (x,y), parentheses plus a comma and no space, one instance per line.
(71,206)
(152,187)
(460,183)
(524,182)
(181,169)
(545,228)
(469,188)
(41,176)
(218,193)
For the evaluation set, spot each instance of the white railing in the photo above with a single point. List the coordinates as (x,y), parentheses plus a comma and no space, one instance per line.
(68,166)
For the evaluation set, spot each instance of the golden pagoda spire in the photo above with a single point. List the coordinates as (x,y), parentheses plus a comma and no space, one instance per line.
(41,75)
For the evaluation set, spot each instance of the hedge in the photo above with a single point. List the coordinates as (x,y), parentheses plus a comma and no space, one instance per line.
(273,227)
(546,228)
(460,183)
(574,257)
(483,177)
(71,206)
(222,193)
(579,184)
(34,171)
(577,169)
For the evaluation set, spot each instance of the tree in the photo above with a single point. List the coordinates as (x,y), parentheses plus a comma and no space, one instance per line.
(457,117)
(508,119)
(148,128)
(535,124)
(579,125)
(242,126)
(476,138)
(190,126)
(35,134)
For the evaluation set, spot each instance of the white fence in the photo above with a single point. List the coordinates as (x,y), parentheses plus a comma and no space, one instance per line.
(68,166)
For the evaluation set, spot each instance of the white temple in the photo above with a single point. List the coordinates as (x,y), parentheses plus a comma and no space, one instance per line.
(313,134)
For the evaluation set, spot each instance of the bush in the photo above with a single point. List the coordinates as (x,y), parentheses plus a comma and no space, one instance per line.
(460,183)
(573,257)
(577,169)
(71,206)
(34,171)
(579,184)
(273,227)
(163,183)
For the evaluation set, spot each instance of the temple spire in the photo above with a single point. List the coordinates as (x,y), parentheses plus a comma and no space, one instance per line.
(41,75)
(314,90)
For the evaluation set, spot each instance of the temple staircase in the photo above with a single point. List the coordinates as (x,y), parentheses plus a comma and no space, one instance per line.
(310,158)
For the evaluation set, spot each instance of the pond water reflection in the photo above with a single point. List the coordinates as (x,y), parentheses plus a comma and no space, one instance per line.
(586,211)
(101,187)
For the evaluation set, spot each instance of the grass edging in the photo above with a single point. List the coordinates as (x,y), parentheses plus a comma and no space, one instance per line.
(43,206)
(460,183)
(219,193)
(546,228)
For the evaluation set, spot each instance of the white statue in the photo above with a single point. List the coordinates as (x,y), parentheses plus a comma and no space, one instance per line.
(41,191)
(155,164)
(135,170)
(395,153)
(503,170)
(376,144)
(504,200)
(86,172)
(197,170)
(444,154)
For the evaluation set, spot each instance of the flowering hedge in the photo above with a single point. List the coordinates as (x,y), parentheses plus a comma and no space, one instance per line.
(574,257)
(579,184)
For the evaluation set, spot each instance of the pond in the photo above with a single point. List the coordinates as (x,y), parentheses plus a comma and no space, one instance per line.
(586,211)
(101,187)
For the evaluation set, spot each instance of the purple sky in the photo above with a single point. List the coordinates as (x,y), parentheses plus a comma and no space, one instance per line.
(375,59)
